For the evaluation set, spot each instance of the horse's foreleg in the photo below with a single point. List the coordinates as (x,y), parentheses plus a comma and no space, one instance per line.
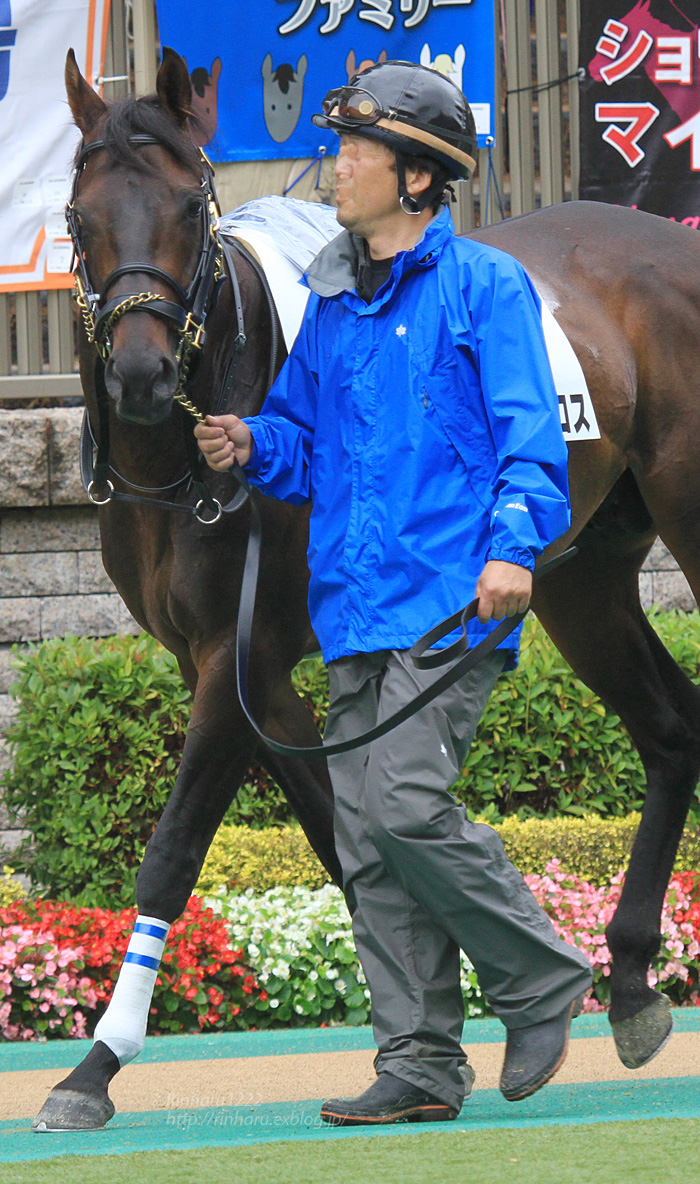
(591,609)
(216,755)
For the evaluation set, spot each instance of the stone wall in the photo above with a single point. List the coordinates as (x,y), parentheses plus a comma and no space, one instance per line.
(51,577)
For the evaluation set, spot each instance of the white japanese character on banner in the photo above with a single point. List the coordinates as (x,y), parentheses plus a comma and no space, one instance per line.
(381,13)
(420,9)
(303,14)
(337,9)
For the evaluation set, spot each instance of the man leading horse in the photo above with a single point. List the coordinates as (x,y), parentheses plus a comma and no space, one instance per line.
(417,414)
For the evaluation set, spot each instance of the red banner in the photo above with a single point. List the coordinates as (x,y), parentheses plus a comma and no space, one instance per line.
(640,105)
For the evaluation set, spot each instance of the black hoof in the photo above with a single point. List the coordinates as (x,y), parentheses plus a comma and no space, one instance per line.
(640,1037)
(68,1110)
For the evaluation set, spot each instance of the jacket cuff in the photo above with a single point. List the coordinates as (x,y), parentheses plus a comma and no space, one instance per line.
(523,558)
(257,457)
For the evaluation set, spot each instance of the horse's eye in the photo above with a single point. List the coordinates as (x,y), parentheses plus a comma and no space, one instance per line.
(194,208)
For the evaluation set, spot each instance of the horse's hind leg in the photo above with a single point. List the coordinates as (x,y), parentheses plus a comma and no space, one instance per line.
(590,607)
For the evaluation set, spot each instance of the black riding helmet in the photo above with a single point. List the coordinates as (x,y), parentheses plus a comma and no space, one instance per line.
(414,111)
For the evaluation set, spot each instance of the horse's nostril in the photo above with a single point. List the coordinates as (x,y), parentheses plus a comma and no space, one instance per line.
(113,381)
(166,381)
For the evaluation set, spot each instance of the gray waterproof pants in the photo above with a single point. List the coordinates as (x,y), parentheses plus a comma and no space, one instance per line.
(421,880)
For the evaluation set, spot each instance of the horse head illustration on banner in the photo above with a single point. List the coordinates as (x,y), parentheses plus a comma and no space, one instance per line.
(205,110)
(283,91)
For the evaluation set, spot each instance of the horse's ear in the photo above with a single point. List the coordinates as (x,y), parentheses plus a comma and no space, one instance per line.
(84,102)
(173,87)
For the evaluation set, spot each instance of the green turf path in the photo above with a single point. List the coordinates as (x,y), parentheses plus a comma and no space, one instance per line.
(66,1054)
(240,1126)
(617,1153)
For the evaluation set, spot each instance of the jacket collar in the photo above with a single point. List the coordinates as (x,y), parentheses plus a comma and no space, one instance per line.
(334,270)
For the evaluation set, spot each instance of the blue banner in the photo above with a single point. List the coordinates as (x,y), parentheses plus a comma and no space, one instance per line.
(260,68)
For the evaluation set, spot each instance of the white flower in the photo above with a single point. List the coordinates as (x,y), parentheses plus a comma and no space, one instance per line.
(274,1002)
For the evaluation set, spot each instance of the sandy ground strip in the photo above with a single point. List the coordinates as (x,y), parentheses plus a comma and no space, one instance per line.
(253,1081)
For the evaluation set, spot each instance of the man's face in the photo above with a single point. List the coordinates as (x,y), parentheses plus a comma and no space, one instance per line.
(365,176)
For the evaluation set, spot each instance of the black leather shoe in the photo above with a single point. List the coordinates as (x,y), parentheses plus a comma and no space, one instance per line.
(388,1099)
(534,1054)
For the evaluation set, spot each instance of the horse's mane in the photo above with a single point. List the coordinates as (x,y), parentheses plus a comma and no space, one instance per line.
(145,116)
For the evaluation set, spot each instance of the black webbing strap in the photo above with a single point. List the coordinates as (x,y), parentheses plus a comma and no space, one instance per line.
(467,662)
(228,386)
(231,241)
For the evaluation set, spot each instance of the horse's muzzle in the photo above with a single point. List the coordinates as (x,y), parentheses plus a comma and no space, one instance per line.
(141,388)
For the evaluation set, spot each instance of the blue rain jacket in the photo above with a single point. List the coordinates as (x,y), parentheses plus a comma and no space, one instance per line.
(424,428)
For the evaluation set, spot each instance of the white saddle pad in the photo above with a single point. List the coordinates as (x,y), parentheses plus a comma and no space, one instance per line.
(286,234)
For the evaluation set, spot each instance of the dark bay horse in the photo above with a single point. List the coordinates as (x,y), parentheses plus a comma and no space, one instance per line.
(624,286)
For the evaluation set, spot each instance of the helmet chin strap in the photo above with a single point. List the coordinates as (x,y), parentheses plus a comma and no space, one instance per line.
(408,203)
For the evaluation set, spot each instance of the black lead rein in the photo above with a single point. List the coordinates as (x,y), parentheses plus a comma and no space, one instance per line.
(468,659)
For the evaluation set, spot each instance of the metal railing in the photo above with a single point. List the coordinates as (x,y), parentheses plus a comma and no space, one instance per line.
(533,162)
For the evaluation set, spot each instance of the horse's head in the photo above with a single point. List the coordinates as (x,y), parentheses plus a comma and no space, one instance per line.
(140,213)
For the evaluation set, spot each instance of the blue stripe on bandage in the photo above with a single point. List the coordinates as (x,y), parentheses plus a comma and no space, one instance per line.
(142,960)
(151,930)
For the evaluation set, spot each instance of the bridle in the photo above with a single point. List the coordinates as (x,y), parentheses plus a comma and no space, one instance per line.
(187,315)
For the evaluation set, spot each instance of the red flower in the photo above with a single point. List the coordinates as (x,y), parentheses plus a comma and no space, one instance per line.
(198,949)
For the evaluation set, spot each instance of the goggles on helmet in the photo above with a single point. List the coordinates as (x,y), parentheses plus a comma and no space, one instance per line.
(353,105)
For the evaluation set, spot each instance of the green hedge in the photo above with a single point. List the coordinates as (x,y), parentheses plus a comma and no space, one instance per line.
(593,848)
(546,745)
(97,742)
(101,724)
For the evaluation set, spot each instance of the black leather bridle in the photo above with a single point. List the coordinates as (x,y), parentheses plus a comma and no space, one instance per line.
(187,314)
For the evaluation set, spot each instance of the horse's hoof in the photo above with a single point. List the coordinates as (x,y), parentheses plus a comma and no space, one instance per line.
(639,1038)
(68,1110)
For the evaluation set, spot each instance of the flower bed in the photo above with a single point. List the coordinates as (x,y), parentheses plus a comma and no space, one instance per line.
(281,958)
(59,964)
(299,942)
(580,912)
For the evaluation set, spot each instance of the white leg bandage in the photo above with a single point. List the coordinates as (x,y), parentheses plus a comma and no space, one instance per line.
(123,1025)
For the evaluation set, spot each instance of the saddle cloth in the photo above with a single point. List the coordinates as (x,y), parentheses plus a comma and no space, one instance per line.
(286,234)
